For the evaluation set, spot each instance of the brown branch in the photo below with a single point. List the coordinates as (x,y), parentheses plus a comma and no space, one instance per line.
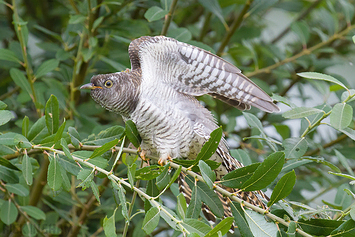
(169,17)
(302,15)
(9,93)
(236,23)
(329,144)
(302,53)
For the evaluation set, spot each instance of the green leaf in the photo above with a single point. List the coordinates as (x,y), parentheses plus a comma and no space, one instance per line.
(76,19)
(2,105)
(341,116)
(132,173)
(240,220)
(5,116)
(196,226)
(352,212)
(59,133)
(107,135)
(172,223)
(17,189)
(253,121)
(95,191)
(8,175)
(155,13)
(109,225)
(34,212)
(181,206)
(52,114)
(223,226)
(344,162)
(25,125)
(211,199)
(38,130)
(346,229)
(29,230)
(151,220)
(214,7)
(8,212)
(346,95)
(132,133)
(283,188)
(54,176)
(101,150)
(46,67)
(291,230)
(295,147)
(21,142)
(19,78)
(194,208)
(319,226)
(322,161)
(266,172)
(301,112)
(149,172)
(180,34)
(86,176)
(164,178)
(210,147)
(74,136)
(208,175)
(302,31)
(343,175)
(121,195)
(259,226)
(7,164)
(321,76)
(65,148)
(238,177)
(27,169)
(241,156)
(8,55)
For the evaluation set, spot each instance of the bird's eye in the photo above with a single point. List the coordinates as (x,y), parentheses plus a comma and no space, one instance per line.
(108,84)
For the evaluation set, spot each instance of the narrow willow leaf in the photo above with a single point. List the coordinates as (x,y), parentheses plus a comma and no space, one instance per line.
(65,148)
(109,225)
(52,114)
(132,133)
(344,162)
(66,183)
(240,220)
(319,226)
(346,95)
(151,220)
(181,206)
(19,78)
(253,121)
(38,130)
(346,229)
(322,161)
(343,175)
(8,175)
(17,189)
(5,116)
(295,147)
(102,149)
(59,133)
(46,67)
(341,116)
(210,198)
(258,225)
(283,188)
(132,173)
(214,7)
(195,205)
(7,164)
(208,175)
(8,212)
(223,226)
(266,172)
(21,141)
(238,177)
(95,191)
(321,76)
(54,176)
(27,169)
(2,105)
(74,137)
(210,147)
(175,176)
(173,223)
(149,172)
(163,179)
(241,156)
(155,13)
(196,226)
(352,212)
(8,55)
(122,197)
(301,112)
(25,125)
(86,176)
(34,212)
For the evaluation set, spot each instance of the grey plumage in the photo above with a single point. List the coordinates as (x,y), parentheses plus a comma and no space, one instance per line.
(158,95)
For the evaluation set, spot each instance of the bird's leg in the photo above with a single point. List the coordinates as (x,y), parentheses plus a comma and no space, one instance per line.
(142,155)
(162,160)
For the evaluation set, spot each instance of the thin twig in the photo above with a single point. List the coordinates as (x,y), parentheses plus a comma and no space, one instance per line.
(236,23)
(169,17)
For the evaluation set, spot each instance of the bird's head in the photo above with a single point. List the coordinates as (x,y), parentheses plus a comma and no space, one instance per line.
(113,91)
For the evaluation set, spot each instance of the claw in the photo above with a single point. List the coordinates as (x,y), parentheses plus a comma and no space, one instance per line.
(142,155)
(162,160)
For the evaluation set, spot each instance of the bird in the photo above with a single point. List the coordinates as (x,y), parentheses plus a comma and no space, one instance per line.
(158,95)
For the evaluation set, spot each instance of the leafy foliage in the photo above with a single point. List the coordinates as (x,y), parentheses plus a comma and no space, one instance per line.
(65,162)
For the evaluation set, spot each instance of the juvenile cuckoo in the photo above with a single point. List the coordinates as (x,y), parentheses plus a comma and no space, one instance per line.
(158,95)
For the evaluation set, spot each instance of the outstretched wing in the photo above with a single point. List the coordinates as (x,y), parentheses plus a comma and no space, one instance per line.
(194,71)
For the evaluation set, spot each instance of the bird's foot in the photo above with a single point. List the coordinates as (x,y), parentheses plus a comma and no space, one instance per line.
(162,160)
(127,70)
(142,155)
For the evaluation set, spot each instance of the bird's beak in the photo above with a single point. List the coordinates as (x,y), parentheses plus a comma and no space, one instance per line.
(90,86)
